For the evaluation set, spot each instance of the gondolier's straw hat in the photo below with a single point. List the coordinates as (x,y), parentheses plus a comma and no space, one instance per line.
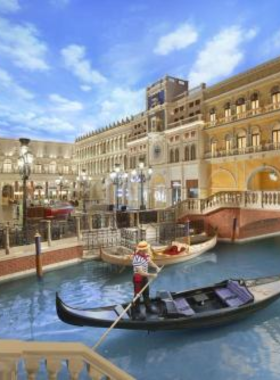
(142,245)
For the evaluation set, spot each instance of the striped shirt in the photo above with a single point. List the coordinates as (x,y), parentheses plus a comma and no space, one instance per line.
(140,261)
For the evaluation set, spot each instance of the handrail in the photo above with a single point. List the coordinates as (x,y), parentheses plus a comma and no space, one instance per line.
(265,200)
(77,355)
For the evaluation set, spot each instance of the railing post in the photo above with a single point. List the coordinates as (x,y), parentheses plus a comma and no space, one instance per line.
(49,232)
(90,222)
(39,266)
(78,224)
(7,239)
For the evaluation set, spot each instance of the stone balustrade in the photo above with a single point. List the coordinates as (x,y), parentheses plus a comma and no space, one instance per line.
(264,200)
(50,358)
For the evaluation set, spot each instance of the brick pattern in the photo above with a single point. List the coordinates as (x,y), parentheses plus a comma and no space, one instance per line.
(21,264)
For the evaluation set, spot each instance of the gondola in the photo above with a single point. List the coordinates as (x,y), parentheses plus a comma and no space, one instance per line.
(209,306)
(122,256)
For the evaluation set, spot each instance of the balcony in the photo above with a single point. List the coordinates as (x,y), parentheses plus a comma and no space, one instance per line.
(241,151)
(243,115)
(185,121)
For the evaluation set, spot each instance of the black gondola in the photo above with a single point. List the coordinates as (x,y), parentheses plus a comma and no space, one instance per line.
(214,305)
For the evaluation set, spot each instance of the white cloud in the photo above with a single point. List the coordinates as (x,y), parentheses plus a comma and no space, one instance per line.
(221,55)
(9,6)
(179,39)
(119,104)
(75,61)
(65,105)
(22,45)
(8,84)
(85,88)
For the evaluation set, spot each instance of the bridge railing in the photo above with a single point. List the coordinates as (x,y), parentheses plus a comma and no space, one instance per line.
(265,200)
(49,359)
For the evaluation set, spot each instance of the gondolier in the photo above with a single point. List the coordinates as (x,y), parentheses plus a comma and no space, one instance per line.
(141,261)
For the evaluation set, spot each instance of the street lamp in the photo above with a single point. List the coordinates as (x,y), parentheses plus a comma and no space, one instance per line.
(84,180)
(24,164)
(118,178)
(141,177)
(61,183)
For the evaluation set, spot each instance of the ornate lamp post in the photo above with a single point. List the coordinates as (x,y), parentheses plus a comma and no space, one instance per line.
(25,161)
(61,182)
(118,178)
(141,177)
(84,180)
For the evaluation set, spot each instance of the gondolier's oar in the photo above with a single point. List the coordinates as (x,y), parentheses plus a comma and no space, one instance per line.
(123,312)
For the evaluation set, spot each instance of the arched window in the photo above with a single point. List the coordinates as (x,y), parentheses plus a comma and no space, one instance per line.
(240,107)
(276,136)
(241,140)
(187,153)
(171,155)
(255,137)
(7,166)
(227,111)
(214,148)
(52,167)
(177,155)
(193,152)
(254,101)
(275,96)
(212,115)
(228,144)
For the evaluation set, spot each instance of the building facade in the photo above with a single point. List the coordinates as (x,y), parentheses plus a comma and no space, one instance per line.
(196,141)
(53,162)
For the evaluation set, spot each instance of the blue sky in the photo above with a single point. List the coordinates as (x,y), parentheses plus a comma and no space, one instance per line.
(72,66)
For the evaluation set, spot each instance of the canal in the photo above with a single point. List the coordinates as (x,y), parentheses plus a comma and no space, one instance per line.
(248,349)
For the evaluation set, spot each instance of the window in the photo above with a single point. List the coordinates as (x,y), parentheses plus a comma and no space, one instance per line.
(52,168)
(276,136)
(177,155)
(214,148)
(38,168)
(7,167)
(171,156)
(191,104)
(275,94)
(227,112)
(182,108)
(241,140)
(193,152)
(228,143)
(240,107)
(187,153)
(197,102)
(254,102)
(255,139)
(213,115)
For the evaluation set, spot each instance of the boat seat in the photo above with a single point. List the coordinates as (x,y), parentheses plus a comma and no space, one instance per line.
(234,294)
(119,310)
(178,306)
(164,294)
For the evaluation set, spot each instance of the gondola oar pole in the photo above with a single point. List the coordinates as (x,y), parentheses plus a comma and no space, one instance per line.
(123,312)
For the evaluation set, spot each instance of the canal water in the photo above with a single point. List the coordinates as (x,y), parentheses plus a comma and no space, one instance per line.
(248,349)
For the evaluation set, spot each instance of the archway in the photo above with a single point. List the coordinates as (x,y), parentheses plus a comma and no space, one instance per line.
(222,180)
(264,178)
(157,192)
(7,194)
